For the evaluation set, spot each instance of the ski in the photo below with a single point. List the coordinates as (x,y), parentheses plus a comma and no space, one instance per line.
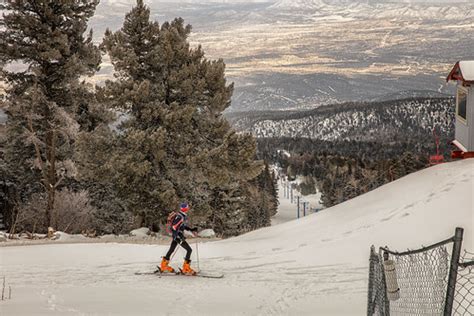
(201,274)
(148,273)
(157,272)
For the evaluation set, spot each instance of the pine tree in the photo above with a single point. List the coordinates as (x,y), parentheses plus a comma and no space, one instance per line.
(176,145)
(268,183)
(43,99)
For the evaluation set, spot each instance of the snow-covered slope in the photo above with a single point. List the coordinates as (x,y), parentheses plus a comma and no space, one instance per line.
(313,266)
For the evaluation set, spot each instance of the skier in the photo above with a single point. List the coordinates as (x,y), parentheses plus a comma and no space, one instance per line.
(178,224)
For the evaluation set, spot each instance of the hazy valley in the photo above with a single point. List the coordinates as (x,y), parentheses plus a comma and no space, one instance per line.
(301,54)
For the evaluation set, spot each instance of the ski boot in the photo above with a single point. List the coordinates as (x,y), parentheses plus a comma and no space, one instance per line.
(187,268)
(164,267)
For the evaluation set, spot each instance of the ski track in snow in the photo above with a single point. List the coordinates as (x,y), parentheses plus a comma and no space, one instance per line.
(288,282)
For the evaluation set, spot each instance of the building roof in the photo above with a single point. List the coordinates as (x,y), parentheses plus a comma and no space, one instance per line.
(463,71)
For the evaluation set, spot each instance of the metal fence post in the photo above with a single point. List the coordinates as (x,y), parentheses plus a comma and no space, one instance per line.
(291,193)
(453,272)
(298,206)
(370,292)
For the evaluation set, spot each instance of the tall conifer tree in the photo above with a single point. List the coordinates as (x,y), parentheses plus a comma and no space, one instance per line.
(176,145)
(44,97)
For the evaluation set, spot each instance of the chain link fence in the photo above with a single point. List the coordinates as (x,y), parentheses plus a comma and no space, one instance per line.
(464,298)
(426,281)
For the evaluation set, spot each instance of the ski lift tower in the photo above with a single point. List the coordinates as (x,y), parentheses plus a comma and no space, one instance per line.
(438,158)
(463,74)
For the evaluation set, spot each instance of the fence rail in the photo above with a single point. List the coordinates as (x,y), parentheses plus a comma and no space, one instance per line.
(422,249)
(426,281)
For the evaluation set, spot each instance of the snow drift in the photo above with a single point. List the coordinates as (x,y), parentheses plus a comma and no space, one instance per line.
(313,266)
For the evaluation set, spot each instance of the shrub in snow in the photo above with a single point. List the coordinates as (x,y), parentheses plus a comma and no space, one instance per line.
(140,232)
(3,238)
(207,233)
(26,216)
(72,213)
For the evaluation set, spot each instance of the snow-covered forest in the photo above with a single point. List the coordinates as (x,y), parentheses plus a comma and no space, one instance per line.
(349,149)
(374,121)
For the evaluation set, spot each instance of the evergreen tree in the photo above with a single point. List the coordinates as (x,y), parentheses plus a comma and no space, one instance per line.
(267,182)
(175,145)
(43,99)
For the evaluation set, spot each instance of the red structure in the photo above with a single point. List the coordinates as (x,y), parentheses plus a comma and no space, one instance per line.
(461,153)
(438,158)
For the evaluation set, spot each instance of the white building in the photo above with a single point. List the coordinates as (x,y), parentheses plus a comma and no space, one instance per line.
(463,74)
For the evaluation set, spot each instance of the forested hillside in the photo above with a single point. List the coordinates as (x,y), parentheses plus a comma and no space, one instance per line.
(349,149)
(370,121)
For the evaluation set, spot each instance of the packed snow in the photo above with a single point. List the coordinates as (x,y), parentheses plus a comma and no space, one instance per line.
(317,265)
(287,208)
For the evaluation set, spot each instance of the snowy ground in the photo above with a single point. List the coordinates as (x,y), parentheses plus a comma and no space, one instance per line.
(317,265)
(287,209)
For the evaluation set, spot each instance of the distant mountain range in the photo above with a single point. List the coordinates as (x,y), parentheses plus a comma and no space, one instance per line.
(322,3)
(384,8)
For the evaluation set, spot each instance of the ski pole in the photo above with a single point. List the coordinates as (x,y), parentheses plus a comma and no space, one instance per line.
(197,254)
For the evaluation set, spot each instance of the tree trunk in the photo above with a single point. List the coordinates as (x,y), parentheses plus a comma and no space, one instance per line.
(51,181)
(50,207)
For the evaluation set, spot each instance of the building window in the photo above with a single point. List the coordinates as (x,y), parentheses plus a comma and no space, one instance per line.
(461,108)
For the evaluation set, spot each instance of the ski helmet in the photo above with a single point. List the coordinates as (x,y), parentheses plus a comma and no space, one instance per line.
(184,207)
